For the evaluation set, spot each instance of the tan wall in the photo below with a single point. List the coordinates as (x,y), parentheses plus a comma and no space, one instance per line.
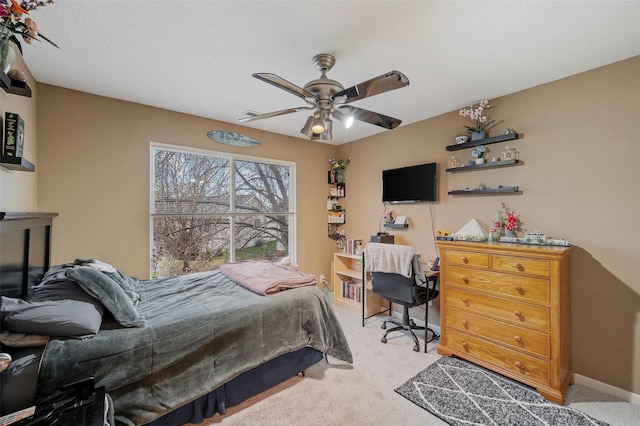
(96,175)
(579,181)
(18,191)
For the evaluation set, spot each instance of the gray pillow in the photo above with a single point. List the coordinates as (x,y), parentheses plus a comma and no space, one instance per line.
(56,286)
(109,293)
(61,318)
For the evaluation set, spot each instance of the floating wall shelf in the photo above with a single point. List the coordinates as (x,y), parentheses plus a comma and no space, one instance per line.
(396,225)
(485,141)
(17,163)
(488,191)
(489,165)
(15,87)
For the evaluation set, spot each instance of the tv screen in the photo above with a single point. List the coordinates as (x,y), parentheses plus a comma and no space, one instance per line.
(413,184)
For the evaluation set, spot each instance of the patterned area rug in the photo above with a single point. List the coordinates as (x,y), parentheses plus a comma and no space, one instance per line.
(461,393)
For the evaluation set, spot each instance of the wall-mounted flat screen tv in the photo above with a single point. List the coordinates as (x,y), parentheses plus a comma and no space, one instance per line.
(412,184)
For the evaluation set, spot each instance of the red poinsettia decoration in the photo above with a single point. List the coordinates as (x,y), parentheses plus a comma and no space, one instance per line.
(512,220)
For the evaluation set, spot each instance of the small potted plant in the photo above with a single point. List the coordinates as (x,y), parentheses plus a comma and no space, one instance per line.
(478,153)
(482,121)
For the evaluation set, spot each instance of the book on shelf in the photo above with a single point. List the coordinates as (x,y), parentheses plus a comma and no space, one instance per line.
(351,290)
(352,246)
(13,143)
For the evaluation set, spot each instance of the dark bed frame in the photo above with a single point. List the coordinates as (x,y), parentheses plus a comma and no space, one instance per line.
(25,252)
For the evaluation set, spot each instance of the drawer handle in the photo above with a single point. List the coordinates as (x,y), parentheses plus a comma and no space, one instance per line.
(518,266)
(518,314)
(520,290)
(464,259)
(464,322)
(519,365)
(465,345)
(465,280)
(465,301)
(518,339)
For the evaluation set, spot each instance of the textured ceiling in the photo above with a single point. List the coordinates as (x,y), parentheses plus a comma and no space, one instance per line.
(197,57)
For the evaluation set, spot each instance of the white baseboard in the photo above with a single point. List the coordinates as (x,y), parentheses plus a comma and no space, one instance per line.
(625,395)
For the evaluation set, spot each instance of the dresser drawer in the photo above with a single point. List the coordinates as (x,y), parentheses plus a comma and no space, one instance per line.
(520,365)
(511,335)
(524,314)
(520,265)
(525,288)
(466,258)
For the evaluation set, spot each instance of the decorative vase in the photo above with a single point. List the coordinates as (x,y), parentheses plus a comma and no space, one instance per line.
(7,51)
(511,233)
(497,225)
(479,160)
(476,136)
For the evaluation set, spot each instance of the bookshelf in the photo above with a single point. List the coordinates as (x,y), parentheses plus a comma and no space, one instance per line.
(349,291)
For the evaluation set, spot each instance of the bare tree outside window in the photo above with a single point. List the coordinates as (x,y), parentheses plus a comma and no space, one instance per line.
(208,210)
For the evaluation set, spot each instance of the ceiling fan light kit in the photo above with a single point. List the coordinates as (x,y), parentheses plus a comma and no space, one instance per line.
(327,98)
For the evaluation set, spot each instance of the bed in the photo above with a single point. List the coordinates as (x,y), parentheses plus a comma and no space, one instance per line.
(173,350)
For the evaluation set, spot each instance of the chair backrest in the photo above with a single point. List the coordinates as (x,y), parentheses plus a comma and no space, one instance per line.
(393,272)
(395,288)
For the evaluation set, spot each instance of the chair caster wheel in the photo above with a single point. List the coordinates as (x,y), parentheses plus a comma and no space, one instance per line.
(416,348)
(383,340)
(383,326)
(412,323)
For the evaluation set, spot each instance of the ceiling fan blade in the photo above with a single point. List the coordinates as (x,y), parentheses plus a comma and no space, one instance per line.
(284,85)
(253,117)
(367,116)
(383,83)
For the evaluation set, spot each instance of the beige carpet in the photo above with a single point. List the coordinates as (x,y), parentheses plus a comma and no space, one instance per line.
(363,393)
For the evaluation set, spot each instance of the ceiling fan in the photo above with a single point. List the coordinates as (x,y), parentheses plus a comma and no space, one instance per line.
(328,99)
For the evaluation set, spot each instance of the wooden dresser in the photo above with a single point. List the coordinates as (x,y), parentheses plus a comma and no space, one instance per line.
(506,307)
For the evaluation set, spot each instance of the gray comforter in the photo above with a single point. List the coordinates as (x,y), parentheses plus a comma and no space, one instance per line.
(202,331)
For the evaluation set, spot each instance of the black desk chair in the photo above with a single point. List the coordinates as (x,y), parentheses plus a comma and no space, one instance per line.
(408,292)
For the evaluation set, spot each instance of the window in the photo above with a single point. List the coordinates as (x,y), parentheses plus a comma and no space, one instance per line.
(209,208)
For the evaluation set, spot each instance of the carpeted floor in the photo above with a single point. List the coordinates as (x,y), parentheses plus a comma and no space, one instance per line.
(362,394)
(461,393)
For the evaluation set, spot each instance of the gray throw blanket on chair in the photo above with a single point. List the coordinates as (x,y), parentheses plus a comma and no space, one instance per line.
(394,259)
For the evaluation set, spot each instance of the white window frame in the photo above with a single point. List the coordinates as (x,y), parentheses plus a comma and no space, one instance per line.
(291,213)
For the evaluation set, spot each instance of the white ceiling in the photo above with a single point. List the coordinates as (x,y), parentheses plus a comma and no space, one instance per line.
(197,57)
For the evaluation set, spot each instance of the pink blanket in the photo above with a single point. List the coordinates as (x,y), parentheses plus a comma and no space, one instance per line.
(264,277)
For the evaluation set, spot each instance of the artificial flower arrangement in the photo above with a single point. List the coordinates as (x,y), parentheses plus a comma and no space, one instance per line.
(13,23)
(476,113)
(340,164)
(512,221)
